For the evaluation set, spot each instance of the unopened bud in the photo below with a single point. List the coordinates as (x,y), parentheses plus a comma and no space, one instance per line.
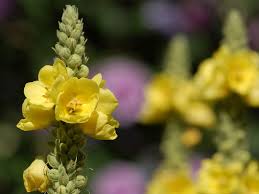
(64,179)
(71,166)
(61,169)
(62,26)
(76,191)
(52,160)
(80,50)
(62,190)
(81,181)
(70,186)
(76,34)
(63,52)
(53,175)
(62,37)
(74,61)
(50,191)
(70,73)
(71,43)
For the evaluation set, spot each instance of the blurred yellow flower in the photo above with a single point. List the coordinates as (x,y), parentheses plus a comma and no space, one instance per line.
(101,124)
(35,117)
(187,101)
(252,97)
(191,137)
(171,182)
(211,77)
(242,71)
(158,94)
(250,179)
(77,100)
(216,177)
(35,176)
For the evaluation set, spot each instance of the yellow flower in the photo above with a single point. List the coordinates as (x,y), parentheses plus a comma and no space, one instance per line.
(77,100)
(216,177)
(199,114)
(157,103)
(242,71)
(187,101)
(35,176)
(35,117)
(43,92)
(101,124)
(250,179)
(191,137)
(211,76)
(171,182)
(252,97)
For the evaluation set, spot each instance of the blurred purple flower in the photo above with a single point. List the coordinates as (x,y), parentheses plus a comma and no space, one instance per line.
(253,31)
(6,7)
(119,178)
(164,17)
(126,78)
(195,163)
(198,15)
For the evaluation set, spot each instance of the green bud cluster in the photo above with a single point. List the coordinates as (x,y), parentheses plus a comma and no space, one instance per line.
(177,60)
(71,42)
(235,32)
(66,161)
(174,152)
(231,140)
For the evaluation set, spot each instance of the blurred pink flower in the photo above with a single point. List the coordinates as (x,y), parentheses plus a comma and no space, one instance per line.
(119,178)
(6,7)
(126,78)
(253,31)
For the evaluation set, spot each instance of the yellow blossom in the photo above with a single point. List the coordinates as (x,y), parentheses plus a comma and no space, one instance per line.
(171,182)
(186,100)
(77,100)
(191,137)
(157,103)
(101,124)
(35,176)
(252,97)
(216,177)
(211,76)
(35,117)
(250,179)
(242,71)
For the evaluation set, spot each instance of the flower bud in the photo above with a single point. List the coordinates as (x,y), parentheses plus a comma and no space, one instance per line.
(61,170)
(63,52)
(71,166)
(73,152)
(62,36)
(76,34)
(52,160)
(76,191)
(70,73)
(74,61)
(61,190)
(51,191)
(53,175)
(35,178)
(81,181)
(80,50)
(71,43)
(70,186)
(64,179)
(83,71)
(62,26)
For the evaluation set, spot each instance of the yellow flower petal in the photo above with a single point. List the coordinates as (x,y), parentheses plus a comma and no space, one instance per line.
(99,80)
(77,100)
(49,74)
(35,117)
(107,102)
(100,126)
(37,94)
(35,176)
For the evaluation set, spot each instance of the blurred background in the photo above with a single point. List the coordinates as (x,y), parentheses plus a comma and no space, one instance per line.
(127,40)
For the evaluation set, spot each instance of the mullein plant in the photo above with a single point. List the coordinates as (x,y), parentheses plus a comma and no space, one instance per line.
(70,105)
(230,80)
(226,83)
(171,97)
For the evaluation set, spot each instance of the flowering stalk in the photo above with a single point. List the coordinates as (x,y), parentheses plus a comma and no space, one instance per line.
(73,106)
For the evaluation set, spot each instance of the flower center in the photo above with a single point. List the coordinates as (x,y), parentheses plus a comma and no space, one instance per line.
(73,106)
